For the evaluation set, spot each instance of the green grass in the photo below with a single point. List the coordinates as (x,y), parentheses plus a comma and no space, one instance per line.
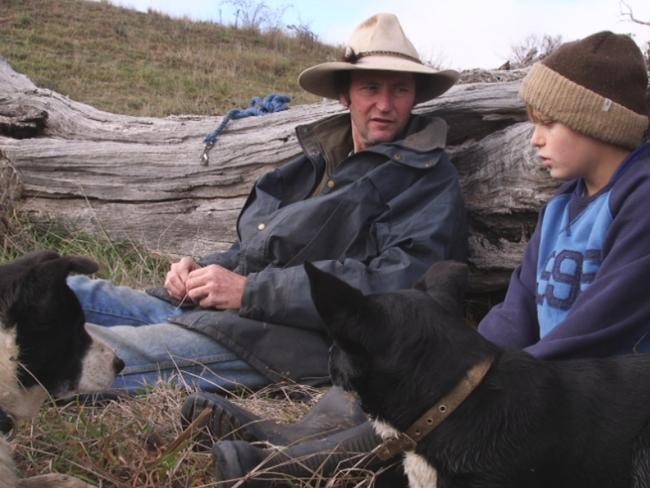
(123,262)
(137,63)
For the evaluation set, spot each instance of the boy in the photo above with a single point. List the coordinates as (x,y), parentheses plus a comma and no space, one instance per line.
(580,290)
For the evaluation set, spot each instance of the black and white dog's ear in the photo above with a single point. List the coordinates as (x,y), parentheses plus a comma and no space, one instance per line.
(336,301)
(59,269)
(446,282)
(14,275)
(51,263)
(79,264)
(38,284)
(47,278)
(34,258)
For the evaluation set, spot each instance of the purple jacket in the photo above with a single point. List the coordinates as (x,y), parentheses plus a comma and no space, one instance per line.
(582,288)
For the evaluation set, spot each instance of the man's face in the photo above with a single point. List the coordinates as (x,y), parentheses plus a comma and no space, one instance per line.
(380,105)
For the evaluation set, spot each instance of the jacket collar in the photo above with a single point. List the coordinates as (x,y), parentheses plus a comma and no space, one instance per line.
(331,138)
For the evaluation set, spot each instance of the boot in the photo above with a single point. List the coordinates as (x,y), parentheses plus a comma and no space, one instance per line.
(335,411)
(345,453)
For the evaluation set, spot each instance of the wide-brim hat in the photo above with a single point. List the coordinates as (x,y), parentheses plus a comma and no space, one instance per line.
(378,44)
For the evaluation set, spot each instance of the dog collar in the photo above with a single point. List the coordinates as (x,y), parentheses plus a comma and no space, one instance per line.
(6,422)
(432,418)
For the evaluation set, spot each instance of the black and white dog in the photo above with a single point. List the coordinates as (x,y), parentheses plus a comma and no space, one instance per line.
(44,347)
(499,418)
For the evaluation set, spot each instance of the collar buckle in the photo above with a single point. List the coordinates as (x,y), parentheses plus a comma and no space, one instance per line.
(392,446)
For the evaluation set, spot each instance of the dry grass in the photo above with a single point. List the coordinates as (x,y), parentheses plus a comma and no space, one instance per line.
(138,442)
(134,441)
(150,64)
(10,189)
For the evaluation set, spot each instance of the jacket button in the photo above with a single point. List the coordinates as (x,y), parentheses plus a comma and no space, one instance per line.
(398,156)
(261,226)
(331,184)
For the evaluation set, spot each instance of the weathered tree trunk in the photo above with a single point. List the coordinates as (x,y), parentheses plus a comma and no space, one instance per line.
(140,178)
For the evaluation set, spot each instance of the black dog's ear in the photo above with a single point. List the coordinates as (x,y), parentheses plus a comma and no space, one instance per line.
(335,300)
(446,281)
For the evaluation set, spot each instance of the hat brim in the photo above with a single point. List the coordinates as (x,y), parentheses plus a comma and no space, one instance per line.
(321,79)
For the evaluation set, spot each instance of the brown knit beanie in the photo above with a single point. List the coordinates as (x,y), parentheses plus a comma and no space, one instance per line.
(596,86)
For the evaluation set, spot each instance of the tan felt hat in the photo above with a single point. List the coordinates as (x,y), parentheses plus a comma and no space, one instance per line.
(379,44)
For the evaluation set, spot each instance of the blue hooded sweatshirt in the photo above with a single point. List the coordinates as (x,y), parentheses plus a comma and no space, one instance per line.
(583,286)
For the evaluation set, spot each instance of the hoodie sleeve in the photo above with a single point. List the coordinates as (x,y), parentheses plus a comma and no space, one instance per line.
(513,324)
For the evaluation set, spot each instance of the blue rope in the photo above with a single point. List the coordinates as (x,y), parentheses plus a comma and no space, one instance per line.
(271,103)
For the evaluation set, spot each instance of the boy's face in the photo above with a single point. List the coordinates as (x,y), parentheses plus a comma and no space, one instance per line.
(566,153)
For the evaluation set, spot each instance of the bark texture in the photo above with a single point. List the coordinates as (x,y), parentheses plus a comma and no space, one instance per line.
(140,178)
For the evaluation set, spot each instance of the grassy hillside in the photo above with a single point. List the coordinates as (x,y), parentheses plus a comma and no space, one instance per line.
(138,63)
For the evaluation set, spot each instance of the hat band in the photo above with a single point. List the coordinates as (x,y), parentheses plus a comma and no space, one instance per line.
(351,56)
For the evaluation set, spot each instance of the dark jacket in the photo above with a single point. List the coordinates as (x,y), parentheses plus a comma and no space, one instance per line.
(581,288)
(377,219)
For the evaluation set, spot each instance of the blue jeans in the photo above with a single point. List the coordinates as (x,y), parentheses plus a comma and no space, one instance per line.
(135,325)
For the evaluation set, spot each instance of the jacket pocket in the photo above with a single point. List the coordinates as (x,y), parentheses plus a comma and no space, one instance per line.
(337,232)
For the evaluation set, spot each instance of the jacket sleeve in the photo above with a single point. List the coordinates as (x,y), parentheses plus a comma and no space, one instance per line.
(228,259)
(407,245)
(612,316)
(513,324)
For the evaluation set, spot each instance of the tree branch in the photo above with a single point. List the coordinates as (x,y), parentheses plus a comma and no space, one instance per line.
(630,14)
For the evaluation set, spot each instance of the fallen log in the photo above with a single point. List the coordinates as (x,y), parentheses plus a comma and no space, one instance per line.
(140,178)
(10,190)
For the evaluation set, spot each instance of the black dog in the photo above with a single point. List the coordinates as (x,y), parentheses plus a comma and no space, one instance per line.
(44,347)
(525,423)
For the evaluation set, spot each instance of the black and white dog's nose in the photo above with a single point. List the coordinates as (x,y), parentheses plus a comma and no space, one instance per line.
(118,365)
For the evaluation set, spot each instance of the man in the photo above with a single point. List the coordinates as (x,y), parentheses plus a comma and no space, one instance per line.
(372,198)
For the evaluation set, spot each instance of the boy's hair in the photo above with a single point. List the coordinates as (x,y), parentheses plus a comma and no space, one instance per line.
(537,117)
(596,86)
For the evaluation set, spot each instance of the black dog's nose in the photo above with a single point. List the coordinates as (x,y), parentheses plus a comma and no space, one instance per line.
(118,365)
